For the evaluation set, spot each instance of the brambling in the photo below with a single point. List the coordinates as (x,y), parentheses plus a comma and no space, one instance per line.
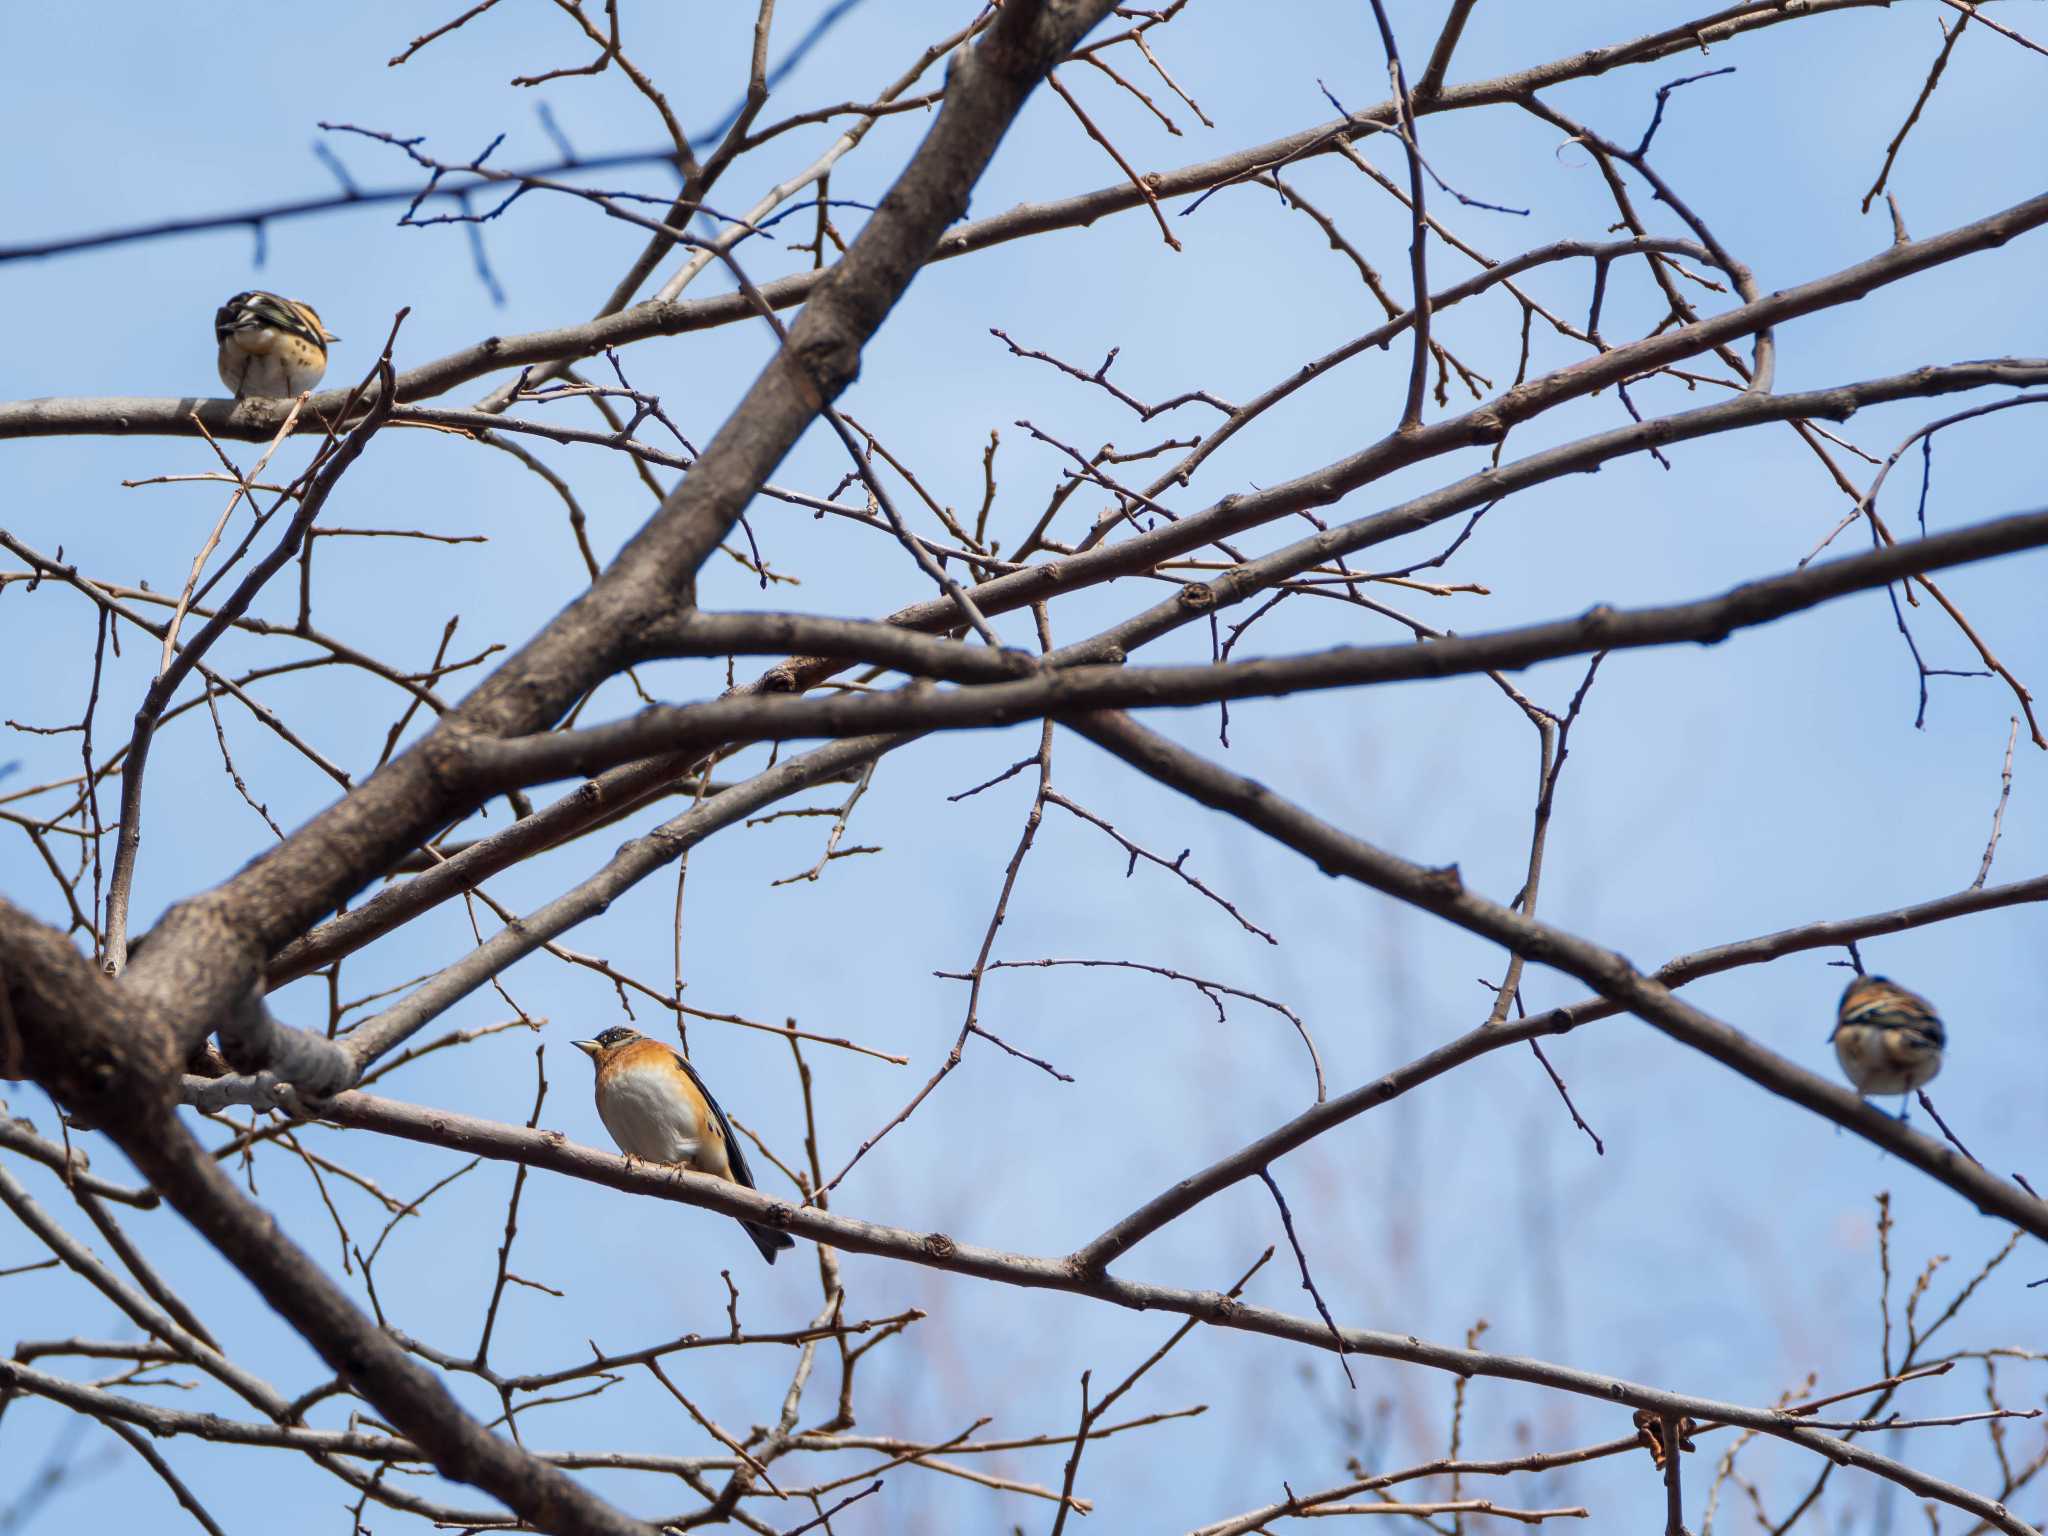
(1887,1039)
(656,1107)
(270,345)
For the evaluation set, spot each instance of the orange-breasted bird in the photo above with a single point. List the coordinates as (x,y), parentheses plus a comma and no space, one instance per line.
(1887,1039)
(270,345)
(657,1108)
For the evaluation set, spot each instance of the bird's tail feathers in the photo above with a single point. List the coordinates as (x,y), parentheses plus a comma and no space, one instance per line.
(768,1240)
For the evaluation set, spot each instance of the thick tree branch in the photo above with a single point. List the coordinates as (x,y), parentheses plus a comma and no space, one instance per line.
(340,1066)
(609,797)
(20,1136)
(1707,621)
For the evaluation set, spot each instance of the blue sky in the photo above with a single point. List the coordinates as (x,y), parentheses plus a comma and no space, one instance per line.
(1711,794)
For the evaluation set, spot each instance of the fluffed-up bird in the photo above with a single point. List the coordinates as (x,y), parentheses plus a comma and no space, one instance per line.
(270,345)
(1887,1039)
(657,1108)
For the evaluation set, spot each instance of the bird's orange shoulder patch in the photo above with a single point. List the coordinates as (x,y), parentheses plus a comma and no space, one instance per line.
(638,1056)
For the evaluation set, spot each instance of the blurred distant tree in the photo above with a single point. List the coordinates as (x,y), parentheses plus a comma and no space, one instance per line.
(148,1038)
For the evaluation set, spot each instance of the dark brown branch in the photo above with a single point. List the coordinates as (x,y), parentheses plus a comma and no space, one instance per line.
(1256,1520)
(1418,238)
(1431,80)
(16,1376)
(667,729)
(632,863)
(171,1480)
(1674,1431)
(606,799)
(1950,36)
(1307,1281)
(20,1136)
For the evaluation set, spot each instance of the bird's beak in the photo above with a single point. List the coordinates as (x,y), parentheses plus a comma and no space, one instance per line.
(589,1048)
(329,334)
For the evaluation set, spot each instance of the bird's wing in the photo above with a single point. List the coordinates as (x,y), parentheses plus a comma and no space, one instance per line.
(738,1159)
(1901,1010)
(260,309)
(767,1239)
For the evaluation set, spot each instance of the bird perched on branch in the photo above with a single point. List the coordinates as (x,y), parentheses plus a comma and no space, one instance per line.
(1887,1039)
(270,345)
(657,1108)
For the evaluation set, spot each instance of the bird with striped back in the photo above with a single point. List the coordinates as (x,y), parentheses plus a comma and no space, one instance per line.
(1887,1039)
(270,345)
(657,1108)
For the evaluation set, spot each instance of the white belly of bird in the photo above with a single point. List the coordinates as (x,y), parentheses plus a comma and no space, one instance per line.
(1884,1061)
(269,362)
(649,1120)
